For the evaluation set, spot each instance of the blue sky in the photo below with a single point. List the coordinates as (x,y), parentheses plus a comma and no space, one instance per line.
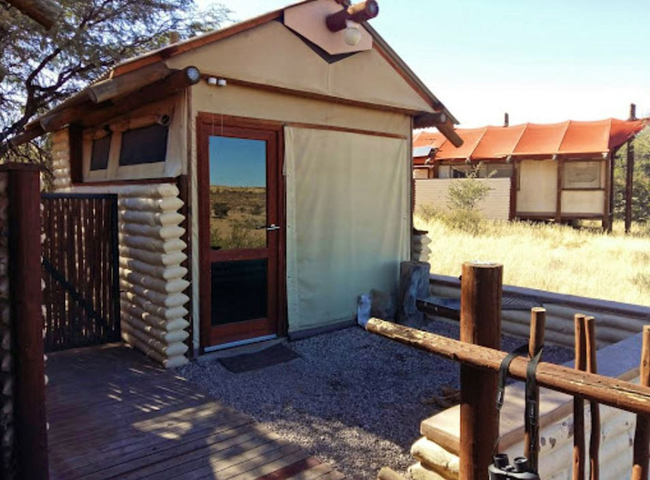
(541,61)
(236,162)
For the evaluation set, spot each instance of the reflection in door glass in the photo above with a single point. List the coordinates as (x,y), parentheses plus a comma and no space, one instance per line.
(237,193)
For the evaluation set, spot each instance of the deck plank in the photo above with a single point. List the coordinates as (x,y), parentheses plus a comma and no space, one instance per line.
(113,413)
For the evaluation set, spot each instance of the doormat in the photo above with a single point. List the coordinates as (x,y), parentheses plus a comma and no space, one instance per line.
(248,362)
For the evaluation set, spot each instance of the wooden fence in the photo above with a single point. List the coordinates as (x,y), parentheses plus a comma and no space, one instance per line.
(80,270)
(479,353)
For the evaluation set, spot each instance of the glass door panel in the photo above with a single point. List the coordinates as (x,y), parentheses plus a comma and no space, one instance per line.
(240,203)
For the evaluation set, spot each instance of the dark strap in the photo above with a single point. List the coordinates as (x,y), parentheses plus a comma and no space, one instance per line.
(503,375)
(532,422)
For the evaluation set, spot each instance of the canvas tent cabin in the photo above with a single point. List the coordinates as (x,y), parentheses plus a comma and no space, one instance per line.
(246,206)
(561,171)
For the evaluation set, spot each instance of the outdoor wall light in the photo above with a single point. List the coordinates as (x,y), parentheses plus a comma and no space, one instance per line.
(352,34)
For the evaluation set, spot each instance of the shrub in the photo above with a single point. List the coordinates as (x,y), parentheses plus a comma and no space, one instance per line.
(463,199)
(428,212)
(220,210)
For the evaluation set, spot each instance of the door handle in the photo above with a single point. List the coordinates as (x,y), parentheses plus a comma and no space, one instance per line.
(269,228)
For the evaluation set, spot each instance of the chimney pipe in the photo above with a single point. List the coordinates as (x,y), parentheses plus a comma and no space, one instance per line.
(506,120)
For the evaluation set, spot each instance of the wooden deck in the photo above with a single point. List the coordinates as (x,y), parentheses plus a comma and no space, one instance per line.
(115,414)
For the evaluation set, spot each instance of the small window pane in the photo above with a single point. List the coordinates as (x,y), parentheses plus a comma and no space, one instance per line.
(144,145)
(582,175)
(99,155)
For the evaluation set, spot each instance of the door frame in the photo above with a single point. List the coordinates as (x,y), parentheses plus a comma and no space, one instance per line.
(205,122)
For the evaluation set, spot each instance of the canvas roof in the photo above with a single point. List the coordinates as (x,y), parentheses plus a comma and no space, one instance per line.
(531,140)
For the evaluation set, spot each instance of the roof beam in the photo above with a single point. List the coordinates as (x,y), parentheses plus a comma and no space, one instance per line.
(442,122)
(45,12)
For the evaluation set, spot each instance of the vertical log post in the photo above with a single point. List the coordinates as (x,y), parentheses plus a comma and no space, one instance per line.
(535,343)
(594,439)
(629,176)
(640,470)
(578,403)
(480,323)
(24,213)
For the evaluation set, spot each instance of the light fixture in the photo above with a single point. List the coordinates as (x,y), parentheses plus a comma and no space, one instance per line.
(352,34)
(193,75)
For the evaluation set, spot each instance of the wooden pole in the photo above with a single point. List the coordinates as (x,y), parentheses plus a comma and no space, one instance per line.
(594,439)
(480,324)
(640,470)
(45,12)
(558,198)
(535,343)
(629,176)
(614,392)
(24,212)
(578,402)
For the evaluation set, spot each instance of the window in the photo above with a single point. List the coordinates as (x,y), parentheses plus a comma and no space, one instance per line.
(420,173)
(582,175)
(144,145)
(499,171)
(100,150)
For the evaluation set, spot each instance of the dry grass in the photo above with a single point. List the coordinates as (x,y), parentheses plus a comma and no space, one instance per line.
(560,259)
(236,215)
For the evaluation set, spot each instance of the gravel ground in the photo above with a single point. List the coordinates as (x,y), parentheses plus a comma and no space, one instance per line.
(353,399)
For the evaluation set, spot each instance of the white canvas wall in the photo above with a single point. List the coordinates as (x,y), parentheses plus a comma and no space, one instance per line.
(347,221)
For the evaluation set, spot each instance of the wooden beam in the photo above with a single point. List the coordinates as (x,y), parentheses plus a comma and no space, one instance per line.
(629,176)
(578,402)
(513,190)
(25,299)
(480,324)
(609,391)
(558,201)
(113,87)
(535,344)
(442,122)
(154,92)
(45,12)
(358,13)
(640,470)
(612,167)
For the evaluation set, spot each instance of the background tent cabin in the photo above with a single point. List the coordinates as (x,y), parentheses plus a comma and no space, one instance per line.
(561,171)
(246,208)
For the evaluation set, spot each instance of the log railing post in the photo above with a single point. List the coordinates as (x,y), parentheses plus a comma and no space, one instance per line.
(480,323)
(25,301)
(591,350)
(535,343)
(578,402)
(640,470)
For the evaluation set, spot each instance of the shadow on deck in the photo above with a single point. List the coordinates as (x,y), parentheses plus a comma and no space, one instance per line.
(115,414)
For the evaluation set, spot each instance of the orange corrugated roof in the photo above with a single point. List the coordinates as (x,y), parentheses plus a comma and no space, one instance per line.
(534,140)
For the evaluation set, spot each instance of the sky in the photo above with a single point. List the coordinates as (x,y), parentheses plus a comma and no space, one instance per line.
(237,162)
(540,61)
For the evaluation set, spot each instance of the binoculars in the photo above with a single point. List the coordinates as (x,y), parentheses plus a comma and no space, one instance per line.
(501,468)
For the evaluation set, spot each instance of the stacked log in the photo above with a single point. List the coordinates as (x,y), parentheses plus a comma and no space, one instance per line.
(420,246)
(613,327)
(152,280)
(61,159)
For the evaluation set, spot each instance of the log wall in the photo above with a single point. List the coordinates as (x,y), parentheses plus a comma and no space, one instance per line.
(152,280)
(614,321)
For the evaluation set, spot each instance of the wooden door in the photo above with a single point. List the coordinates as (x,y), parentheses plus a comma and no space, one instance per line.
(240,231)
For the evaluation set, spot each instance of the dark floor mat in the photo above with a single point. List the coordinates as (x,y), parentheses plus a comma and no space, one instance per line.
(254,361)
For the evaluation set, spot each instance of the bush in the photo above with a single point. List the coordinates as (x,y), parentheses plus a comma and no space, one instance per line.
(220,210)
(428,212)
(463,199)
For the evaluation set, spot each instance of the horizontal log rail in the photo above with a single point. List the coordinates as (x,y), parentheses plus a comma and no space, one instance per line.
(589,386)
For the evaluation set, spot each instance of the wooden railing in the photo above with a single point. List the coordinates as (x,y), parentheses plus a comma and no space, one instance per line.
(479,353)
